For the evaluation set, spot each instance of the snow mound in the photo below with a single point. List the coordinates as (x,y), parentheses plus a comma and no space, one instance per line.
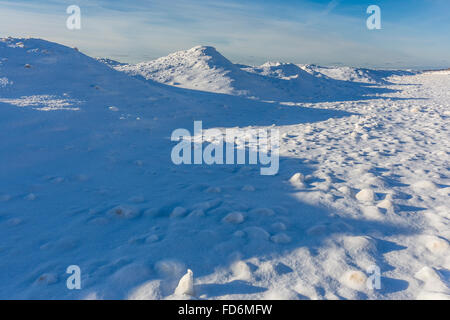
(200,68)
(366,195)
(361,75)
(186,285)
(354,279)
(434,286)
(124,212)
(148,291)
(241,271)
(298,180)
(234,218)
(425,185)
(285,71)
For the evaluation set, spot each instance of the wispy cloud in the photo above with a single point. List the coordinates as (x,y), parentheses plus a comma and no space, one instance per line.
(247,31)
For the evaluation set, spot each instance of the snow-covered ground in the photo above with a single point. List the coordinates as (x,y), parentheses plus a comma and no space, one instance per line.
(87,179)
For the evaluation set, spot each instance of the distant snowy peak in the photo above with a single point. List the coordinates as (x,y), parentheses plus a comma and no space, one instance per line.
(361,75)
(311,72)
(200,56)
(207,54)
(204,68)
(285,71)
(200,68)
(339,73)
(440,71)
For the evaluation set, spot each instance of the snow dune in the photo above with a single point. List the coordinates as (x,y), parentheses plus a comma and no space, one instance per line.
(86,179)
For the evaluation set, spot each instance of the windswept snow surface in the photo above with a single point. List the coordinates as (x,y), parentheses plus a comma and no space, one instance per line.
(87,179)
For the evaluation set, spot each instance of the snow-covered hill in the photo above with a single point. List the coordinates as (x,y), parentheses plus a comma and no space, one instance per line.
(56,76)
(200,68)
(87,179)
(361,75)
(434,72)
(205,69)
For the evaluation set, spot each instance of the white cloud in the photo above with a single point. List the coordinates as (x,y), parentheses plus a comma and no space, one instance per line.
(247,33)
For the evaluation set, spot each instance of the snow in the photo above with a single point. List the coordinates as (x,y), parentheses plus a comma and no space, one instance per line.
(434,287)
(366,195)
(354,279)
(201,68)
(87,179)
(361,75)
(297,180)
(4,82)
(241,271)
(234,218)
(186,285)
(44,103)
(204,68)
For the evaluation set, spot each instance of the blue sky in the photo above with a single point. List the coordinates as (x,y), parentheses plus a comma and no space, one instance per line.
(414,34)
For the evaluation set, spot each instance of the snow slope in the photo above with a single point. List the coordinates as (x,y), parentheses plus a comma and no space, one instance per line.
(201,68)
(86,179)
(205,69)
(434,72)
(110,62)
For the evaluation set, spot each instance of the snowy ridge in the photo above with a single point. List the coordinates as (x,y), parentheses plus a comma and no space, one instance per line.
(444,71)
(361,75)
(205,69)
(363,182)
(37,67)
(285,71)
